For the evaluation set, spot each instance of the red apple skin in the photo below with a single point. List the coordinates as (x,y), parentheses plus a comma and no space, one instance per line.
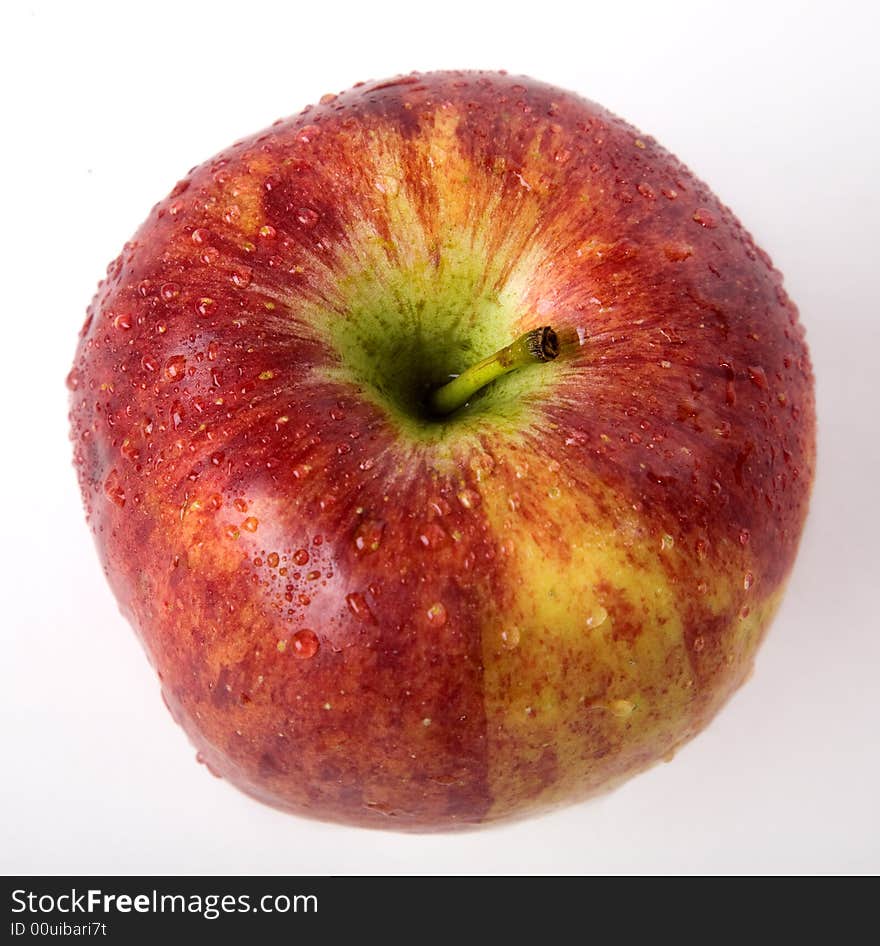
(357,630)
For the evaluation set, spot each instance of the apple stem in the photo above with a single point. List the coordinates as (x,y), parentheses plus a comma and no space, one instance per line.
(536,346)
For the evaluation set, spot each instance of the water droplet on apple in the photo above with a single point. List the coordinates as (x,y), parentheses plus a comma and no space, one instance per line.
(307,217)
(358,606)
(304,644)
(757,376)
(705,218)
(621,708)
(368,535)
(200,235)
(744,536)
(748,580)
(122,321)
(308,133)
(250,524)
(554,492)
(597,616)
(667,542)
(677,252)
(510,637)
(439,506)
(203,761)
(381,807)
(300,557)
(437,614)
(386,184)
(272,560)
(431,535)
(242,278)
(114,489)
(469,498)
(175,367)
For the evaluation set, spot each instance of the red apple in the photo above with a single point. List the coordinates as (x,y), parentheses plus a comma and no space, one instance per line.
(371,603)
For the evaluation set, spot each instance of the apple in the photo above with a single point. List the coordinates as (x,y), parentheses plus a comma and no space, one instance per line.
(448,446)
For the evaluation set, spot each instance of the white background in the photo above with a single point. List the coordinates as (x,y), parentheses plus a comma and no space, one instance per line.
(775,105)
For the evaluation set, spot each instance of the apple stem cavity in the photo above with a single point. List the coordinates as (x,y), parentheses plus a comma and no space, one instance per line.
(534,347)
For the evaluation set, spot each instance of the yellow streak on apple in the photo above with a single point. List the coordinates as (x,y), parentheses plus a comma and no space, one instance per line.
(567,689)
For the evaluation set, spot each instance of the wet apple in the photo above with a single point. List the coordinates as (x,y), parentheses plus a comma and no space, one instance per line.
(448,446)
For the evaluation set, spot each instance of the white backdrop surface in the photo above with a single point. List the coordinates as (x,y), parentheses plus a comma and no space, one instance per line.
(775,105)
